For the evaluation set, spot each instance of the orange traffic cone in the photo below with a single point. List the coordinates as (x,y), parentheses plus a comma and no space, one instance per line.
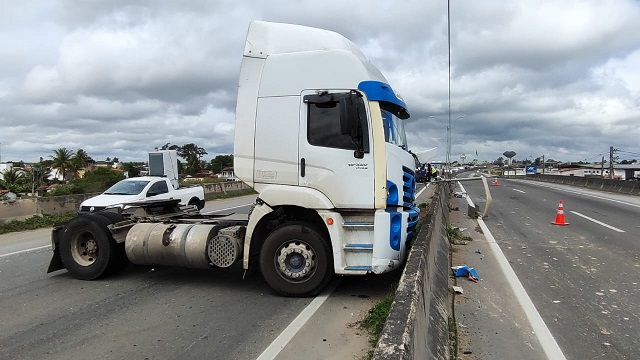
(495,182)
(560,216)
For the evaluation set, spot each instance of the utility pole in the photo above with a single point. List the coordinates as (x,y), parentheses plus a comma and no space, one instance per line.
(543,164)
(610,162)
(602,167)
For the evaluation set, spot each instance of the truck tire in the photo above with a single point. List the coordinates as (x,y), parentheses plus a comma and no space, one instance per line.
(295,260)
(87,249)
(119,256)
(197,203)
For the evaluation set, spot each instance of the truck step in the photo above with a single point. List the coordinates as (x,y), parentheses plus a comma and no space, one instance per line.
(357,224)
(358,268)
(358,247)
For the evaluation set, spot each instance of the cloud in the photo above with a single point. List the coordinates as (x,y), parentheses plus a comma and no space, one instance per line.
(118,78)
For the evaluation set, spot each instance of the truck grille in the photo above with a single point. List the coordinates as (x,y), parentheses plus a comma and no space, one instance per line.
(408,187)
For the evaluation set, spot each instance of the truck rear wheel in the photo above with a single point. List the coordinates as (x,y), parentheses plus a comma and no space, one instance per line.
(295,260)
(87,249)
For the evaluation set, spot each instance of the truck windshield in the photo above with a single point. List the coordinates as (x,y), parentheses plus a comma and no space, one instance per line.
(394,132)
(127,188)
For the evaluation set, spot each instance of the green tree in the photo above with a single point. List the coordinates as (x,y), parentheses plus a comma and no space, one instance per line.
(220,162)
(105,176)
(62,160)
(39,175)
(168,146)
(191,153)
(132,169)
(80,159)
(13,179)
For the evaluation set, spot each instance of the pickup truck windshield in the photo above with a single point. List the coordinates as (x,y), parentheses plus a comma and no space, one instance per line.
(127,188)
(394,132)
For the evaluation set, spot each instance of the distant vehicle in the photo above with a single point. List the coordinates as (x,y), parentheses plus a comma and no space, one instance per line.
(141,189)
(162,184)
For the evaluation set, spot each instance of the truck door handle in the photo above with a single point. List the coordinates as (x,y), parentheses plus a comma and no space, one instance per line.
(302,161)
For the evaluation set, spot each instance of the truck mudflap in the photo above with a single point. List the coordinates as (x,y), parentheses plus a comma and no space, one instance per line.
(56,261)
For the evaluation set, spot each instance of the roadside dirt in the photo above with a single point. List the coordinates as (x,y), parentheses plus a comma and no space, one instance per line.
(461,339)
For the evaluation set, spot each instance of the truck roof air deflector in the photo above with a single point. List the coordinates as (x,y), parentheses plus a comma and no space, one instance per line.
(379,91)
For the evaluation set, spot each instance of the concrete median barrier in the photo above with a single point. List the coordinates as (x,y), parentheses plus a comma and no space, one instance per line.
(417,326)
(612,185)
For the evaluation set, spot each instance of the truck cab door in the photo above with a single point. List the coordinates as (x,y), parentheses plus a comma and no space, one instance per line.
(335,151)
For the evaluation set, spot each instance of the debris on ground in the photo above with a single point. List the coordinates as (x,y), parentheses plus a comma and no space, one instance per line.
(464,270)
(458,289)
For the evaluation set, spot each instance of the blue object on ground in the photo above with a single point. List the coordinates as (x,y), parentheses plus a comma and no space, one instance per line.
(464,270)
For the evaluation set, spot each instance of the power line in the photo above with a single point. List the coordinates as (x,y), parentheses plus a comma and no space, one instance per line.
(627,152)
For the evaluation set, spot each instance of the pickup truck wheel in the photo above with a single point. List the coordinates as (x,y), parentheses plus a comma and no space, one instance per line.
(87,248)
(197,203)
(296,261)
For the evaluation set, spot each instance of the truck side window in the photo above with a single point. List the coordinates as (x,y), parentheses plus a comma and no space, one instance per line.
(158,188)
(323,126)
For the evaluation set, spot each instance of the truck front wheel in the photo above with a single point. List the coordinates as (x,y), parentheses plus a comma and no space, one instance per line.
(295,260)
(87,249)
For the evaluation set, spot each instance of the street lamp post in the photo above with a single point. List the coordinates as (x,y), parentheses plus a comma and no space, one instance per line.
(448,126)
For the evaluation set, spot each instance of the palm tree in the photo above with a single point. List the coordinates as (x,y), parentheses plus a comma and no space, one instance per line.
(80,159)
(11,179)
(62,160)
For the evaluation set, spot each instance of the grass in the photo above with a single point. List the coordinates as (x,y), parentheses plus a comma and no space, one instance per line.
(452,325)
(36,222)
(374,321)
(454,233)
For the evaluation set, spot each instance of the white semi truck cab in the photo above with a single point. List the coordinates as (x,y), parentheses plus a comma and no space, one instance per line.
(320,136)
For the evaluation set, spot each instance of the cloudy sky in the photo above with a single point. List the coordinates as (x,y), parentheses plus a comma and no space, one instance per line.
(120,77)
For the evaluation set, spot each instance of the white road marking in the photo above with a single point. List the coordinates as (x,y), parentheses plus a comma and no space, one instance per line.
(542,332)
(287,334)
(25,251)
(520,191)
(597,221)
(422,190)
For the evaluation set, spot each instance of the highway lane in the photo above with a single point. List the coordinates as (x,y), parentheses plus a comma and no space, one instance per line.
(142,312)
(583,277)
(239,205)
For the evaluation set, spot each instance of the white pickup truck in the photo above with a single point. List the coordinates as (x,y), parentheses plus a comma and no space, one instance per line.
(144,188)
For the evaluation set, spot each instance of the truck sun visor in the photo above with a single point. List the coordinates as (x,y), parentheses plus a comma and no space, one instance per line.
(379,91)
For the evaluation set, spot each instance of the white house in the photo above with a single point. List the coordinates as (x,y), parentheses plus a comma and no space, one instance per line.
(228,174)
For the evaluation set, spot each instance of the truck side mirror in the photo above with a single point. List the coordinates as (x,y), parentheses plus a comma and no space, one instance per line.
(351,122)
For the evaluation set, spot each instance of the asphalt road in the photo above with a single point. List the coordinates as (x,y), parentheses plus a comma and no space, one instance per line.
(140,313)
(583,277)
(147,312)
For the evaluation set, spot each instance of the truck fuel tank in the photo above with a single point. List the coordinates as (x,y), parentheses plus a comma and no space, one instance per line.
(186,245)
(170,244)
